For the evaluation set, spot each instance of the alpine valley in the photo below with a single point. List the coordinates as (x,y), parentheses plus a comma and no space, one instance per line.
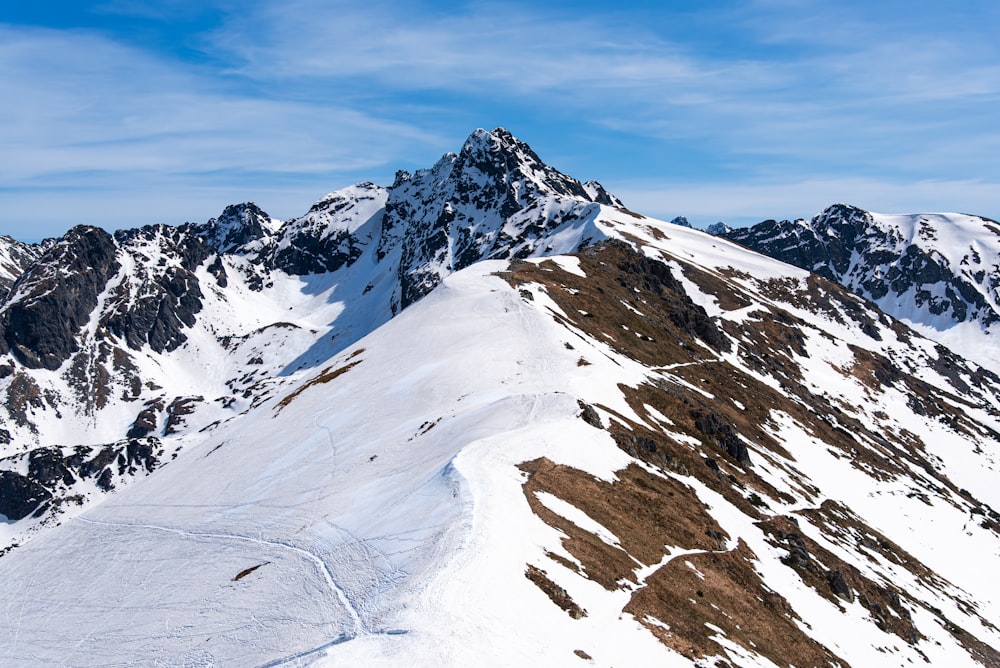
(487,415)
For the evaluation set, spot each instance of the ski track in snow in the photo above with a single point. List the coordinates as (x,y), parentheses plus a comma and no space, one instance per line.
(359,626)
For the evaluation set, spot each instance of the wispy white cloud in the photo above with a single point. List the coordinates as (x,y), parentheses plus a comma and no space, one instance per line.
(808,78)
(813,95)
(515,46)
(103,129)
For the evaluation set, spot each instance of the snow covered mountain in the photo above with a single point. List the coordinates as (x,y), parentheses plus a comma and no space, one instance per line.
(15,257)
(483,415)
(937,272)
(138,341)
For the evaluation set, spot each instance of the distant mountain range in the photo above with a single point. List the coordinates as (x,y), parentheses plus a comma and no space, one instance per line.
(489,415)
(939,272)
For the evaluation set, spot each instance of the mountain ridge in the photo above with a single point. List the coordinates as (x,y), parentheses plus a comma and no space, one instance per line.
(489,414)
(165,330)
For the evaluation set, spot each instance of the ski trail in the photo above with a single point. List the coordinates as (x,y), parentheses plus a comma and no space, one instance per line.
(359,626)
(305,654)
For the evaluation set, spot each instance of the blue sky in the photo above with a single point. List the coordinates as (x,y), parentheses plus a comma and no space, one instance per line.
(123,113)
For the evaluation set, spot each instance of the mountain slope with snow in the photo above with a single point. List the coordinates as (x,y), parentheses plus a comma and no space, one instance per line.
(937,272)
(160,332)
(484,415)
(686,454)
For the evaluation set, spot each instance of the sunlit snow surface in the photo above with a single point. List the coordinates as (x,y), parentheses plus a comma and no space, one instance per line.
(372,512)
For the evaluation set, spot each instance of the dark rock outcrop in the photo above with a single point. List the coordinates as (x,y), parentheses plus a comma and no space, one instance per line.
(236,226)
(15,258)
(160,299)
(839,586)
(54,298)
(20,496)
(469,206)
(57,474)
(723,434)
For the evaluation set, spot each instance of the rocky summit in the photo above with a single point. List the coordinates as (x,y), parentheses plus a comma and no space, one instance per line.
(487,414)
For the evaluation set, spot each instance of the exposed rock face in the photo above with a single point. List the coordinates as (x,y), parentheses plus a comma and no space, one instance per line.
(494,199)
(599,194)
(57,475)
(20,496)
(326,238)
(238,225)
(732,400)
(54,298)
(108,312)
(155,303)
(15,258)
(146,421)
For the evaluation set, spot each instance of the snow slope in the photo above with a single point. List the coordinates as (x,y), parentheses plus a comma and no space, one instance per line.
(162,332)
(408,501)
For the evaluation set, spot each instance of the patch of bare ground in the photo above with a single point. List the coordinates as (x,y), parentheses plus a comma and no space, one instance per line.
(247,571)
(709,461)
(657,324)
(819,295)
(727,295)
(325,376)
(697,597)
(655,232)
(645,512)
(737,414)
(638,298)
(771,343)
(701,416)
(842,526)
(838,581)
(556,594)
(876,372)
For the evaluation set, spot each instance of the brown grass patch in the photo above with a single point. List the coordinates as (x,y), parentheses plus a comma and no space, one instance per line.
(556,594)
(837,580)
(668,327)
(645,512)
(681,344)
(247,571)
(727,593)
(325,376)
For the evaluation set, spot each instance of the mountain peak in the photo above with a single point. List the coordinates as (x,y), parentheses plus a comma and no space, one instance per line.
(841,214)
(936,271)
(237,225)
(497,147)
(496,138)
(604,436)
(718,229)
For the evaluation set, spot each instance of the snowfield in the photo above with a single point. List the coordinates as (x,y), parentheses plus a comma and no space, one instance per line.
(376,514)
(350,502)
